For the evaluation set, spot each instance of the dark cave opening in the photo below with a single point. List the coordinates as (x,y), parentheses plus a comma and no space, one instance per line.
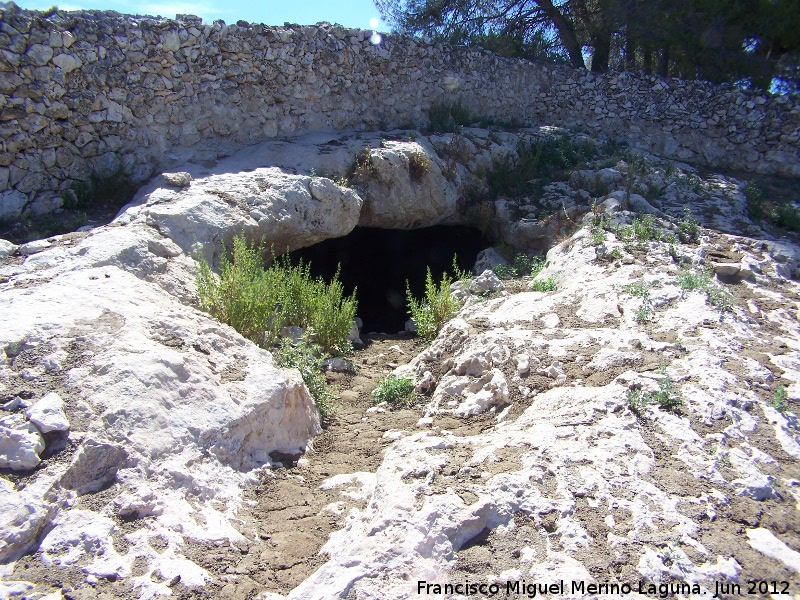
(379,261)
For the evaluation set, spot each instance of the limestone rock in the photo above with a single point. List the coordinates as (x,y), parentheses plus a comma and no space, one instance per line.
(20,443)
(399,196)
(179,180)
(48,414)
(94,466)
(487,259)
(11,204)
(7,248)
(486,283)
(23,515)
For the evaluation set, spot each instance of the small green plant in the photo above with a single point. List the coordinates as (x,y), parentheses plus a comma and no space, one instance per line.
(781,399)
(644,312)
(637,401)
(641,289)
(448,116)
(306,358)
(597,236)
(645,229)
(756,196)
(716,295)
(547,284)
(689,281)
(666,396)
(688,227)
(418,165)
(430,313)
(522,265)
(396,391)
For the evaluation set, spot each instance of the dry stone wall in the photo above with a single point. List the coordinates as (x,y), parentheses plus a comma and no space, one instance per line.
(89,91)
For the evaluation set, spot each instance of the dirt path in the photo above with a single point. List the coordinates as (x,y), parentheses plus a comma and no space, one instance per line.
(288,512)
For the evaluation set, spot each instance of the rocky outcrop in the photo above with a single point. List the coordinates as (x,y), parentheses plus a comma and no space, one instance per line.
(622,427)
(116,382)
(569,479)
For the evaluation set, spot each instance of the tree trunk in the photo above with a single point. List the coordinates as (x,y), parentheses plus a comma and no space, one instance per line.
(566,31)
(647,61)
(602,51)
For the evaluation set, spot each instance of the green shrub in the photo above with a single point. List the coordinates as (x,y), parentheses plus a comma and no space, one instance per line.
(756,196)
(396,391)
(781,399)
(688,227)
(305,357)
(418,165)
(787,216)
(544,285)
(447,116)
(430,313)
(536,159)
(522,265)
(258,302)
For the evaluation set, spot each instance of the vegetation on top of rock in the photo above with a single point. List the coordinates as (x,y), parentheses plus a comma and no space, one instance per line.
(259,302)
(447,116)
(536,159)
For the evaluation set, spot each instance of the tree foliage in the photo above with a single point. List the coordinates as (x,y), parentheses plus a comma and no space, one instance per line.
(753,43)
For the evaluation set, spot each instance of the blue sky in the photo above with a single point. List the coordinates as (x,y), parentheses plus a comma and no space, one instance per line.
(350,13)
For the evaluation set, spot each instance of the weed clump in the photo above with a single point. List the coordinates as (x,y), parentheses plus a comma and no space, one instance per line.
(641,289)
(448,116)
(259,302)
(688,227)
(715,295)
(432,311)
(395,391)
(781,399)
(535,160)
(666,396)
(522,265)
(418,165)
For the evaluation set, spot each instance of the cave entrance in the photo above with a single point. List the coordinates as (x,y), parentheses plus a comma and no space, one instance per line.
(379,261)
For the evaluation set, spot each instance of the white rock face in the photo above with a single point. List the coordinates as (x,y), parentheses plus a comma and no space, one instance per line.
(23,516)
(399,196)
(575,476)
(7,248)
(48,414)
(169,409)
(20,443)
